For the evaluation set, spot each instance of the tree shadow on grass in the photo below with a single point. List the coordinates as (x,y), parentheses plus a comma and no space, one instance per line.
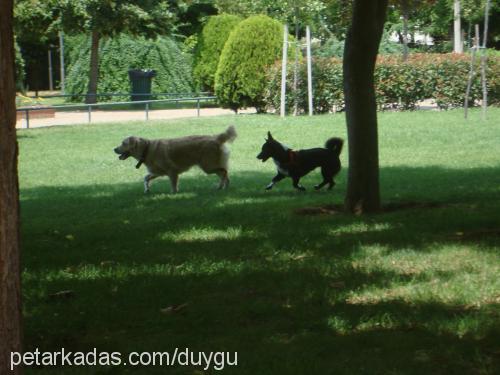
(283,290)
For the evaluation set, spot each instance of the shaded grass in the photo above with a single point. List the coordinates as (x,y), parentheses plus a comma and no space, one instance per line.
(399,292)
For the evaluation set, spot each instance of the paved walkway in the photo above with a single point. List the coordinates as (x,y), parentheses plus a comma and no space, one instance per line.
(97,116)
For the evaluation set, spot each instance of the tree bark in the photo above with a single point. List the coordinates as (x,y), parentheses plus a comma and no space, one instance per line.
(360,54)
(94,68)
(10,281)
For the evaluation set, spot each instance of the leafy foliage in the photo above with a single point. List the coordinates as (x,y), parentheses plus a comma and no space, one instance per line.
(252,46)
(19,67)
(399,85)
(209,48)
(125,52)
(302,12)
(334,47)
(35,20)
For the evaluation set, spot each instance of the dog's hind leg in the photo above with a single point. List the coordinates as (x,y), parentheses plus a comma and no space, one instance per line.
(277,178)
(174,182)
(223,175)
(224,178)
(327,179)
(147,182)
(331,184)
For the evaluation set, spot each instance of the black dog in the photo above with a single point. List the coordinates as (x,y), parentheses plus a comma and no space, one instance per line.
(296,164)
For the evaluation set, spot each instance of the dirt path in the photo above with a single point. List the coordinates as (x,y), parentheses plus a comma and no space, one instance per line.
(97,116)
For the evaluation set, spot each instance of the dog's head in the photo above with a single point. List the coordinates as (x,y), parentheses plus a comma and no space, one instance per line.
(128,147)
(270,148)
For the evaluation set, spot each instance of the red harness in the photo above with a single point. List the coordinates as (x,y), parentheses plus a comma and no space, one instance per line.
(292,157)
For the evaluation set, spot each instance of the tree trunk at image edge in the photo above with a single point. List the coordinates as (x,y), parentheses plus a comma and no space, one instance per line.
(10,281)
(360,53)
(94,69)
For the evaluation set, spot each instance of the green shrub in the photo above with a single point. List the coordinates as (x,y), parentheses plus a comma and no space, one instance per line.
(253,45)
(399,85)
(209,48)
(327,86)
(121,53)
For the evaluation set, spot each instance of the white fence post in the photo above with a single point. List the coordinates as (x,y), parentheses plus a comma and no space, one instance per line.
(283,71)
(309,70)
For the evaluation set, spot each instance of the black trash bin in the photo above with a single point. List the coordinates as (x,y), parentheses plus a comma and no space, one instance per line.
(140,80)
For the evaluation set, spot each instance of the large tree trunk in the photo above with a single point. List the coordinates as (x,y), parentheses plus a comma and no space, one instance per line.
(94,68)
(10,281)
(360,53)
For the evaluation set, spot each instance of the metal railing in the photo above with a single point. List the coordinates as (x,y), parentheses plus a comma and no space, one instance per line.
(88,107)
(111,94)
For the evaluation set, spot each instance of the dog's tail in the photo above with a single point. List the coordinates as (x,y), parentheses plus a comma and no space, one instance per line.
(228,136)
(335,145)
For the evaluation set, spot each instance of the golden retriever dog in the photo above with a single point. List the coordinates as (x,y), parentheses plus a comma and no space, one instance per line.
(171,157)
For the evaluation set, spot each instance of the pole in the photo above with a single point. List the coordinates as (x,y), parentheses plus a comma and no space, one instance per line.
(51,84)
(405,6)
(283,71)
(471,72)
(296,65)
(61,57)
(309,71)
(457,28)
(483,59)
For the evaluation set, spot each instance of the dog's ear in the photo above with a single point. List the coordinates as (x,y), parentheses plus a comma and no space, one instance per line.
(269,136)
(132,143)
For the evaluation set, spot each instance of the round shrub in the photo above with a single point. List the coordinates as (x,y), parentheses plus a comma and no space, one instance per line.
(253,45)
(123,52)
(210,44)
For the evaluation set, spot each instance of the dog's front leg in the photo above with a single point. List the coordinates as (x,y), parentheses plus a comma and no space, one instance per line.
(147,182)
(174,181)
(280,176)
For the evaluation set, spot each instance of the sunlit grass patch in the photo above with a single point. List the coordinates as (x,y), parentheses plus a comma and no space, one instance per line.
(206,234)
(360,227)
(242,201)
(448,274)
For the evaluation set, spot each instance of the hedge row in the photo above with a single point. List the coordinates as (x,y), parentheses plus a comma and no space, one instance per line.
(399,85)
(119,54)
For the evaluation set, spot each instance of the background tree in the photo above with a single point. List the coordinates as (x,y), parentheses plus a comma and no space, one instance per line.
(361,47)
(302,12)
(103,18)
(10,280)
(34,28)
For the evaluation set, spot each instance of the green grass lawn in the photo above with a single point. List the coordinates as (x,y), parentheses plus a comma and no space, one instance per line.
(413,291)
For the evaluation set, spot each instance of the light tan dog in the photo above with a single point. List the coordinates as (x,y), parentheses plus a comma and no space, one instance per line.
(171,157)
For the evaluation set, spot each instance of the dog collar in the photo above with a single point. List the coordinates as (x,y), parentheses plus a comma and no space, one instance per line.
(143,156)
(292,156)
